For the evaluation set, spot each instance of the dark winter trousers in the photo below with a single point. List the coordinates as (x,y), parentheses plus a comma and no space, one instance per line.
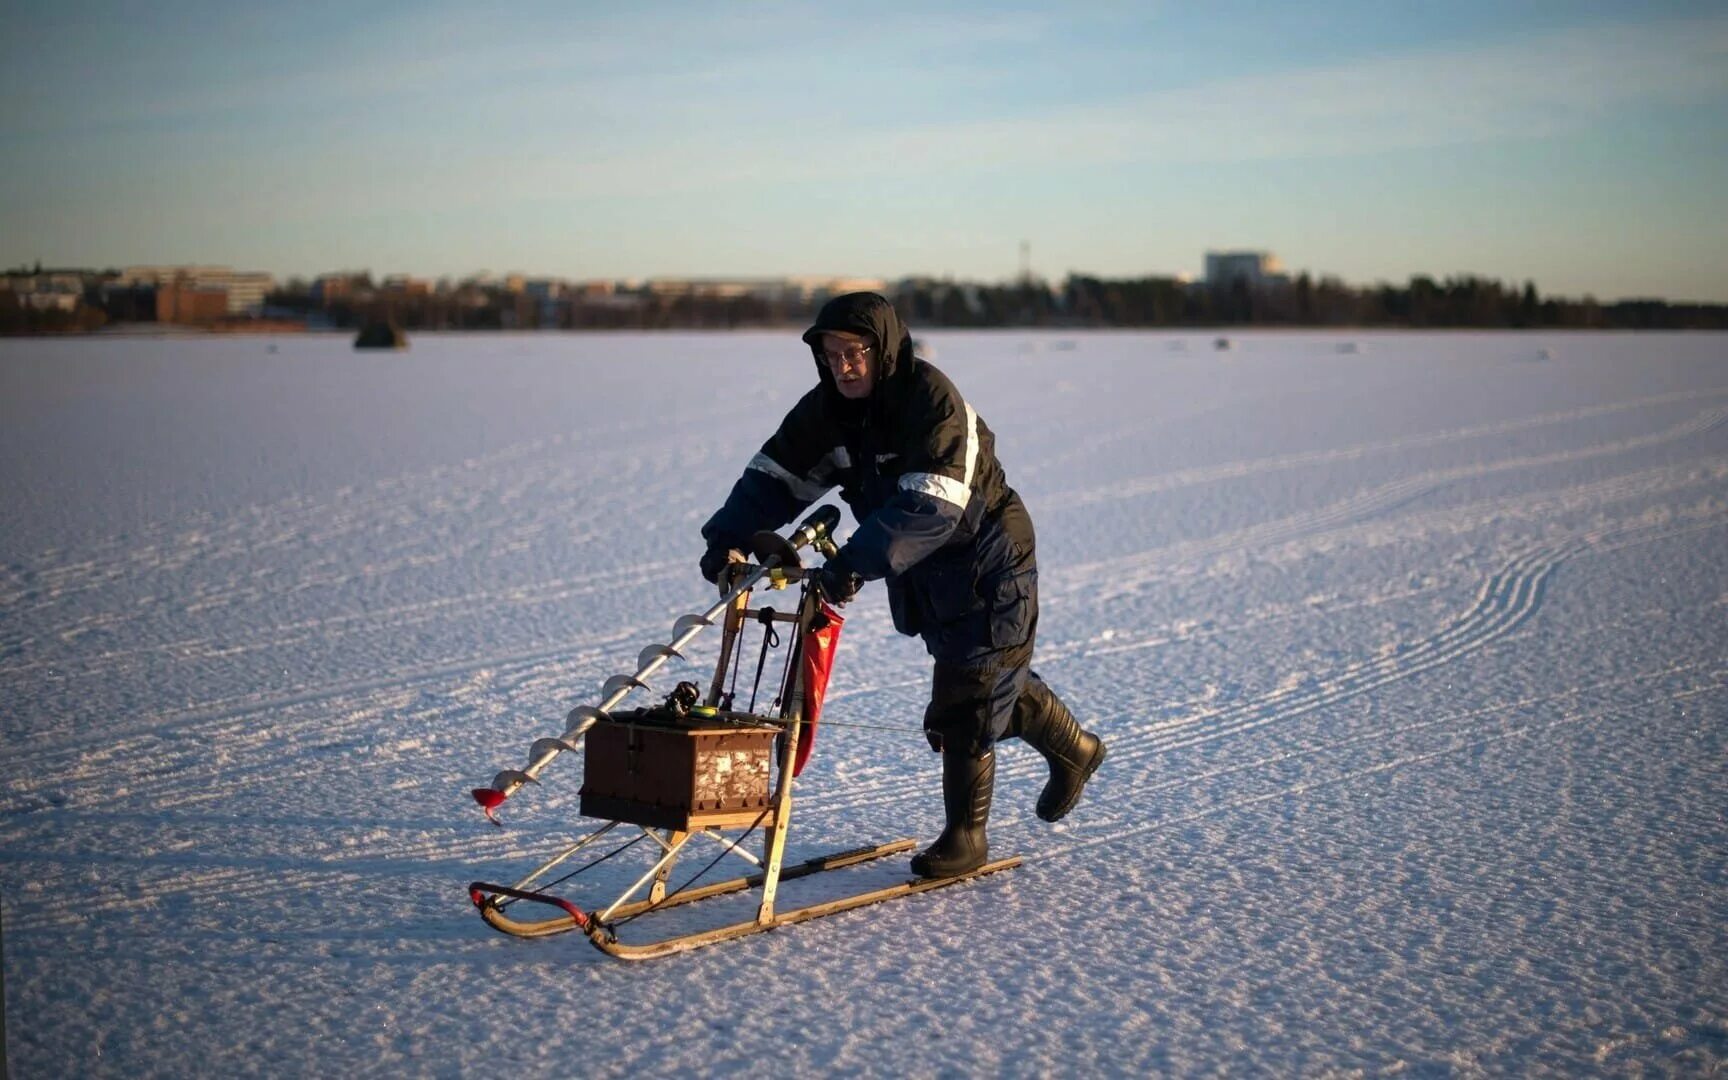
(978,616)
(974,695)
(972,704)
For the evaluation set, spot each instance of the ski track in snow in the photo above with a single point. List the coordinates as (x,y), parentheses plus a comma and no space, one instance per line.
(1506,599)
(1509,597)
(228,728)
(1164,561)
(1473,740)
(1241,470)
(309,524)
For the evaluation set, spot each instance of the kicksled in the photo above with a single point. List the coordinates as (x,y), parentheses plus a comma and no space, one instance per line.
(694,771)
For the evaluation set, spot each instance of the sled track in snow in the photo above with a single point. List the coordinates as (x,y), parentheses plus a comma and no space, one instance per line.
(1128,572)
(183,775)
(155,885)
(1507,600)
(309,531)
(1026,765)
(77,753)
(1402,757)
(372,623)
(1515,588)
(294,518)
(1712,677)
(1189,630)
(1471,741)
(314,559)
(291,519)
(258,527)
(1238,470)
(181,878)
(312,525)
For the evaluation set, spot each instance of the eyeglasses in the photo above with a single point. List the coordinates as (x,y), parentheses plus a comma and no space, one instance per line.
(851,356)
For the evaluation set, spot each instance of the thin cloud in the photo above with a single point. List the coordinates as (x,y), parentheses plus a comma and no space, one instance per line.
(605,142)
(1536,87)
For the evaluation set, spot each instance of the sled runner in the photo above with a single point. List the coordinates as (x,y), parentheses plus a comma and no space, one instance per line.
(695,768)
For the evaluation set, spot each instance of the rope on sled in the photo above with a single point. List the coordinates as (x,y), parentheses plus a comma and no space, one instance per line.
(697,876)
(584,868)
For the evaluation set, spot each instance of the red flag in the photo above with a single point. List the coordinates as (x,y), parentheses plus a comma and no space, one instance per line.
(819,648)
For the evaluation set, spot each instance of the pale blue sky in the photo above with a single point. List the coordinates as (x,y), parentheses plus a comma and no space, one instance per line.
(1578,143)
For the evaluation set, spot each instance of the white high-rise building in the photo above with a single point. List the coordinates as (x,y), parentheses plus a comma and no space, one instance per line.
(1257,268)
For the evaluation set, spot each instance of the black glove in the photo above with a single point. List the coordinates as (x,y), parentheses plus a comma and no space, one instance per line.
(837,582)
(715,560)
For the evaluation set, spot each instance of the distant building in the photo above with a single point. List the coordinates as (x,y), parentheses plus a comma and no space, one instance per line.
(50,290)
(1259,269)
(404,285)
(811,289)
(53,301)
(718,288)
(546,294)
(344,286)
(243,291)
(184,302)
(329,288)
(797,290)
(246,292)
(617,296)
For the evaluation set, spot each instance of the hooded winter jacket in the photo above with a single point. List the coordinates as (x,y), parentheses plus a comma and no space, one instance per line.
(917,466)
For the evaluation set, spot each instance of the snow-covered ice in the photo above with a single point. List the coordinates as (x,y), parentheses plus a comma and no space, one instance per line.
(1412,656)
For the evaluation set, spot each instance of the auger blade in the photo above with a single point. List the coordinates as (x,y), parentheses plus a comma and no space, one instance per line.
(582,716)
(511,779)
(549,745)
(654,652)
(686,622)
(621,682)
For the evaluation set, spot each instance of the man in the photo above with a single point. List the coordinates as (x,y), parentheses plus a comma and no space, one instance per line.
(937,521)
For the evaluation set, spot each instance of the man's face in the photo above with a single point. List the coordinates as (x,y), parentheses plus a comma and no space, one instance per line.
(852,361)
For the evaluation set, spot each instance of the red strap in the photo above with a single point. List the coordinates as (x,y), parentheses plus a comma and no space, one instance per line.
(819,649)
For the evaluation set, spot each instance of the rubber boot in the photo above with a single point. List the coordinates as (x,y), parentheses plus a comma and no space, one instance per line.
(966,785)
(1074,755)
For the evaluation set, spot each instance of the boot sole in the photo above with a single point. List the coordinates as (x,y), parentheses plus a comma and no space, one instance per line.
(929,873)
(1080,788)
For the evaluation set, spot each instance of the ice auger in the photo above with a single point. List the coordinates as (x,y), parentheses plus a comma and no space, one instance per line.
(696,767)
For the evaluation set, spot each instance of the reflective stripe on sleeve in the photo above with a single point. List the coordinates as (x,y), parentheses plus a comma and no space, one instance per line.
(946,488)
(800,488)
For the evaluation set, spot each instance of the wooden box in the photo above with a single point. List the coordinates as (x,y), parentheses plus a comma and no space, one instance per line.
(678,777)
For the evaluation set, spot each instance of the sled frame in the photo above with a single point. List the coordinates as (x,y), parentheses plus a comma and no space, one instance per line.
(599,924)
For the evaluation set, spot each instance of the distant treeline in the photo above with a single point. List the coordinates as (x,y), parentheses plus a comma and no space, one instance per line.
(1078,302)
(1158,301)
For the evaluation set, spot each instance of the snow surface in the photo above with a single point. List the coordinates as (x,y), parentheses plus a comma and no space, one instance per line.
(1409,648)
